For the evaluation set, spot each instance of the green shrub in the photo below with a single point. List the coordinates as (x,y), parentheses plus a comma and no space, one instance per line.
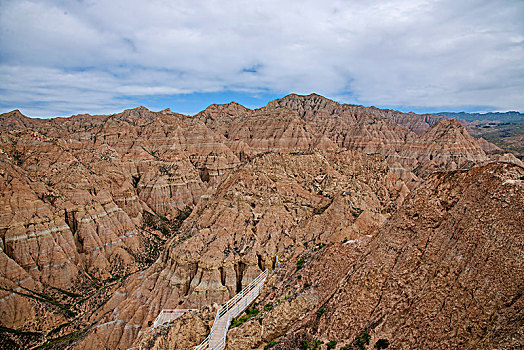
(300,263)
(313,344)
(382,344)
(270,344)
(307,285)
(319,246)
(362,340)
(268,307)
(331,344)
(238,321)
(251,312)
(321,311)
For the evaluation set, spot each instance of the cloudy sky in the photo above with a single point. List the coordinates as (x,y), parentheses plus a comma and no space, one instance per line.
(61,57)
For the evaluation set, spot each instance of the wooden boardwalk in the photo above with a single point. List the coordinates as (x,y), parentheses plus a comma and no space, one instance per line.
(216,339)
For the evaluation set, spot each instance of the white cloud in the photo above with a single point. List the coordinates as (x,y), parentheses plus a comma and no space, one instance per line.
(70,56)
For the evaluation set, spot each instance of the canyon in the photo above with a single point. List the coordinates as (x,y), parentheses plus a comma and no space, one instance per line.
(408,228)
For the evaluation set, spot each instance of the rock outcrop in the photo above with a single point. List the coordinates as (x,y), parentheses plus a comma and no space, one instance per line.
(420,143)
(278,203)
(108,219)
(89,200)
(444,272)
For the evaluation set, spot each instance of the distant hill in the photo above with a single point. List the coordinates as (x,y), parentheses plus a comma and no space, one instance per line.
(506,117)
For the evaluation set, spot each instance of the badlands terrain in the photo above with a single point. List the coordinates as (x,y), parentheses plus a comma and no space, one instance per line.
(377,227)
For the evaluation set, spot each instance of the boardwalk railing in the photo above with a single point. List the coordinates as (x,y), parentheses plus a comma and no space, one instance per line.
(168,315)
(216,339)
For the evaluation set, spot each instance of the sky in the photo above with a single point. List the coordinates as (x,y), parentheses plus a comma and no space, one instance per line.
(64,57)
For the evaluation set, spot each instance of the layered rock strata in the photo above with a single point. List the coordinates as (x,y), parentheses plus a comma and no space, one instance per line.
(276,204)
(444,272)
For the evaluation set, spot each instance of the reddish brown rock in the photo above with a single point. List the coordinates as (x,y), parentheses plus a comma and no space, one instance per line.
(444,272)
(275,204)
(89,202)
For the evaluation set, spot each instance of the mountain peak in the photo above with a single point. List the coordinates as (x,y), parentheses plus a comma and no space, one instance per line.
(446,127)
(15,113)
(138,109)
(16,120)
(215,111)
(304,104)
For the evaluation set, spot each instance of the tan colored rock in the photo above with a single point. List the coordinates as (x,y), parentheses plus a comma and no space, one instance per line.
(271,325)
(487,146)
(444,272)
(89,199)
(275,204)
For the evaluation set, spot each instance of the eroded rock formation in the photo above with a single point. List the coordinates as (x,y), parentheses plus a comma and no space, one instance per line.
(444,272)
(106,220)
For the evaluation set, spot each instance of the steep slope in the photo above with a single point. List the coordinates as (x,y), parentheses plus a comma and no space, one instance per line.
(411,142)
(89,203)
(349,126)
(444,272)
(313,105)
(15,120)
(89,200)
(218,117)
(446,145)
(278,130)
(66,232)
(275,204)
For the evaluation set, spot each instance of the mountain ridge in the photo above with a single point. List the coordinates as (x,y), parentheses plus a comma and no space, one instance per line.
(106,220)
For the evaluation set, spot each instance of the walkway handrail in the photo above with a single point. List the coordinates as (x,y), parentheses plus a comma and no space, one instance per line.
(159,320)
(234,307)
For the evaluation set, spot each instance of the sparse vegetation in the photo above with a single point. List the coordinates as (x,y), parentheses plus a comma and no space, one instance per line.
(268,307)
(357,211)
(300,263)
(250,313)
(319,246)
(311,344)
(382,344)
(321,311)
(332,344)
(504,135)
(107,155)
(167,227)
(135,179)
(168,170)
(18,157)
(48,198)
(362,340)
(270,344)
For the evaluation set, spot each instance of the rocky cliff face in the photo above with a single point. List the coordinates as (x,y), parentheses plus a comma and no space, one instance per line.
(90,199)
(66,221)
(278,203)
(419,143)
(444,272)
(96,237)
(314,105)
